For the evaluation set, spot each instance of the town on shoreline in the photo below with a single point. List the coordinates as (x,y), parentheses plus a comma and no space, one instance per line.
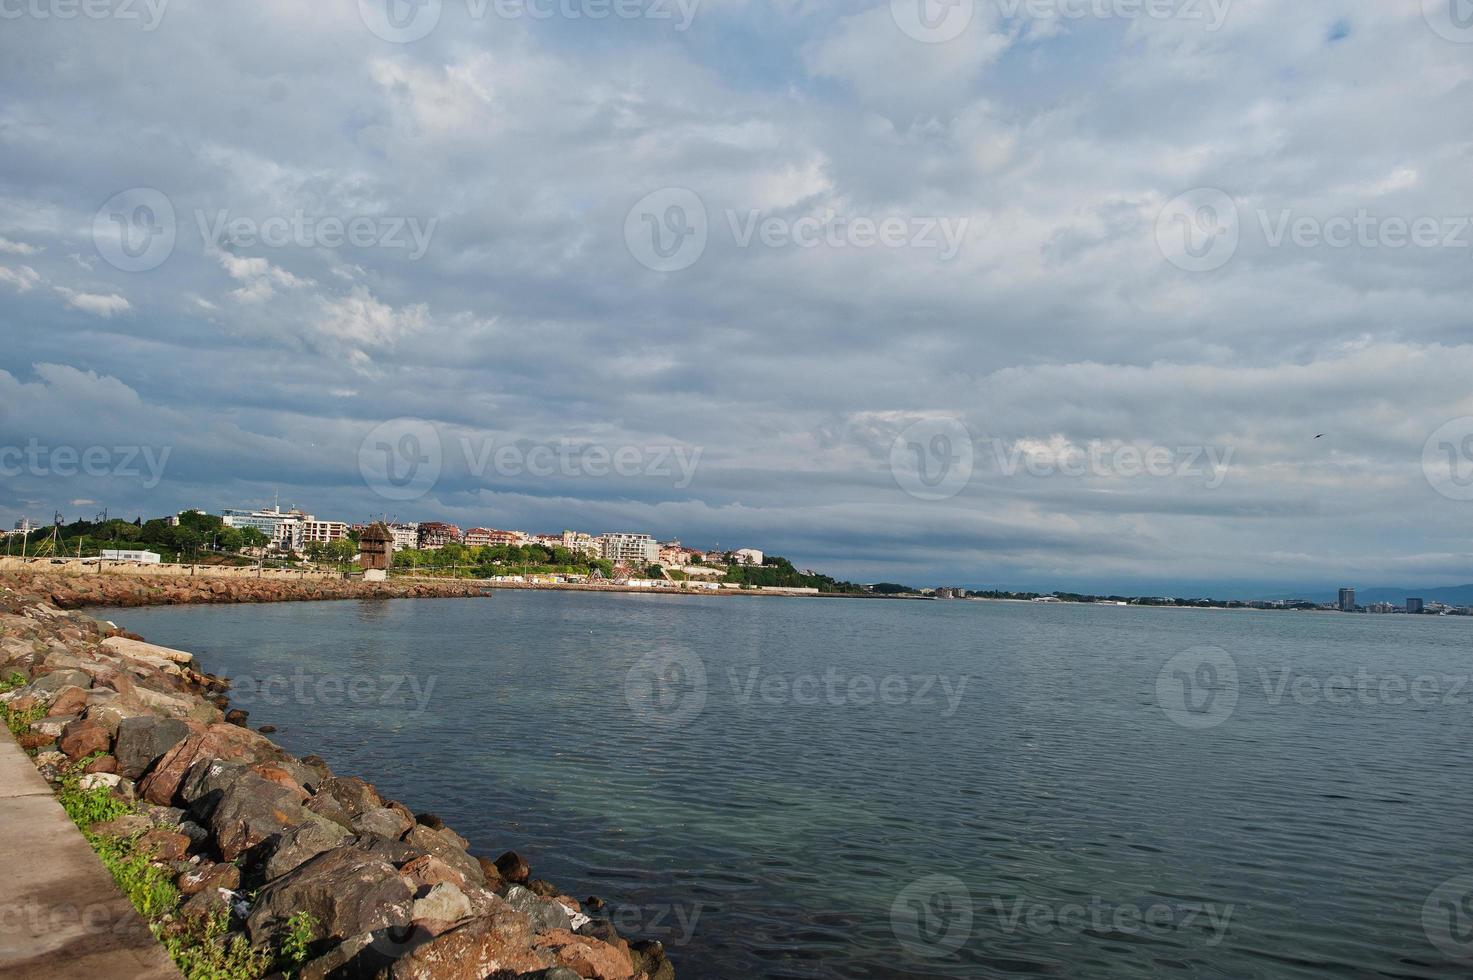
(611,561)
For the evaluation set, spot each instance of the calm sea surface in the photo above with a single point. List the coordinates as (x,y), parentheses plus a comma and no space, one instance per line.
(913,789)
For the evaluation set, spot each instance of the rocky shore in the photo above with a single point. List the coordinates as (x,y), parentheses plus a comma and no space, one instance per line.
(77,591)
(249,862)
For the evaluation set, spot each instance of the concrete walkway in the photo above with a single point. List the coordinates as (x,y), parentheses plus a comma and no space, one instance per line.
(61,915)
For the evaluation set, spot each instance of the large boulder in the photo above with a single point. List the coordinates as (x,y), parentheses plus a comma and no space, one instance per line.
(144,739)
(82,738)
(68,701)
(215,742)
(303,843)
(545,914)
(347,795)
(585,956)
(346,891)
(500,942)
(433,842)
(382,821)
(149,654)
(58,679)
(253,810)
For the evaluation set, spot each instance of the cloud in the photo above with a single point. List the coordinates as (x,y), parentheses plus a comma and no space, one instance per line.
(23,278)
(106,306)
(1058,329)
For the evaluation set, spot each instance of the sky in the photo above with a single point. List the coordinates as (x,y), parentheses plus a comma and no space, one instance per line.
(1012,293)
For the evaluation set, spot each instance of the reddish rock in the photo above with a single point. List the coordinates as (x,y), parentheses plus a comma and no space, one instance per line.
(512,868)
(103,763)
(68,701)
(428,870)
(34,740)
(542,887)
(492,944)
(24,703)
(587,957)
(164,845)
(82,738)
(216,742)
(488,868)
(206,877)
(278,774)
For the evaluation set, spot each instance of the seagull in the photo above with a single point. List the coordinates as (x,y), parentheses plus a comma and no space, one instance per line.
(1321,435)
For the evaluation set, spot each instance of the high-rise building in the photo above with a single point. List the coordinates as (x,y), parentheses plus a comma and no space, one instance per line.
(629,548)
(1347,600)
(1415,607)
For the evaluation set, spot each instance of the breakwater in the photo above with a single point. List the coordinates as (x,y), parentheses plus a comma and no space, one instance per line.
(248,861)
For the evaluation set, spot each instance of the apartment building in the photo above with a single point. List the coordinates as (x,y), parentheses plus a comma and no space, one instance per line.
(640,548)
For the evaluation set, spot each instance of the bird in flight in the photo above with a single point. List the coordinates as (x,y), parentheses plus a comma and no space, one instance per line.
(1321,435)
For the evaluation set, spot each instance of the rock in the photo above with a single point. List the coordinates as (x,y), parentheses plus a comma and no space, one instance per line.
(34,740)
(143,740)
(431,842)
(215,742)
(346,891)
(381,821)
(214,876)
(648,957)
(594,902)
(106,780)
(53,726)
(485,945)
(488,868)
(251,811)
(105,764)
(512,868)
(429,820)
(443,905)
(278,773)
(205,783)
(209,903)
(164,845)
(266,729)
(58,679)
(124,826)
(541,886)
(112,714)
(237,716)
(52,758)
(150,654)
(318,765)
(82,738)
(68,701)
(354,958)
(545,913)
(427,870)
(351,794)
(587,957)
(303,843)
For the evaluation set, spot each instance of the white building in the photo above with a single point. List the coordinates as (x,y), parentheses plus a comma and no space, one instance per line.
(284,528)
(145,557)
(580,543)
(747,556)
(323,532)
(640,548)
(406,536)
